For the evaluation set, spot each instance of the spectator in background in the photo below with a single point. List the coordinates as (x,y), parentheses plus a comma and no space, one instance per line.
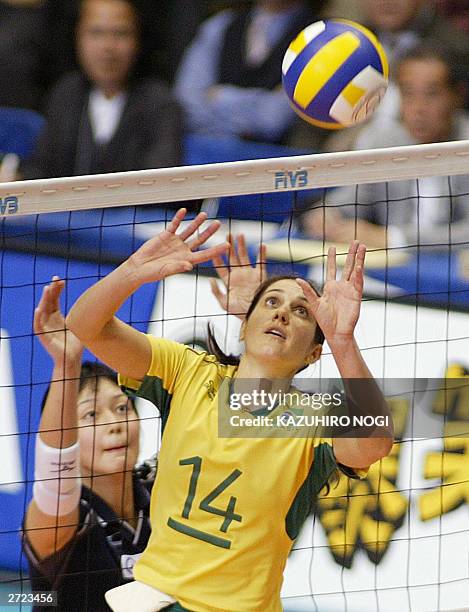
(401,26)
(406,212)
(344,9)
(22,36)
(457,11)
(229,81)
(176,26)
(166,29)
(104,117)
(62,17)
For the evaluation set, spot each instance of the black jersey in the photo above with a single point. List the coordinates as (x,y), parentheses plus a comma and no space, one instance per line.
(100,556)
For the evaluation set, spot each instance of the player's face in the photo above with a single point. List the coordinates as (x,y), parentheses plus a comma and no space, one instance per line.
(107,42)
(428,101)
(108,430)
(280,331)
(391,15)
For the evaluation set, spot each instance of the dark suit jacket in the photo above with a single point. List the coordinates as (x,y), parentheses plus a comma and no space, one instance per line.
(148,135)
(23,31)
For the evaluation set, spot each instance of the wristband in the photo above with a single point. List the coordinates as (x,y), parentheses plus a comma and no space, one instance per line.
(57,483)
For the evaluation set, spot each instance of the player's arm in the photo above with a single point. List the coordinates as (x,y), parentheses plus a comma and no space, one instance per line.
(337,311)
(52,516)
(93,319)
(364,397)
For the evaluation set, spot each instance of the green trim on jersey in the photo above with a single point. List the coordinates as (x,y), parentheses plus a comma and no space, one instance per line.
(176,608)
(323,466)
(153,390)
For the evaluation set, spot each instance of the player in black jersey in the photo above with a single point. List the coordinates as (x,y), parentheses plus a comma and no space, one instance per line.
(88,519)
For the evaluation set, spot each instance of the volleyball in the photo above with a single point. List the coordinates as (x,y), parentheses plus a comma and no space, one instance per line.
(335,73)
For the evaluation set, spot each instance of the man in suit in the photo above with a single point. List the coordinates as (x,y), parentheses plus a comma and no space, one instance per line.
(229,80)
(105,117)
(429,211)
(23,30)
(167,28)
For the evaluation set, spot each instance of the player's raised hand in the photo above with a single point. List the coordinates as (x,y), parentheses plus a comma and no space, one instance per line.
(49,326)
(171,253)
(239,277)
(338,308)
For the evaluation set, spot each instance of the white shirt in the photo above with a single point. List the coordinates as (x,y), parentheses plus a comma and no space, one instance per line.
(105,114)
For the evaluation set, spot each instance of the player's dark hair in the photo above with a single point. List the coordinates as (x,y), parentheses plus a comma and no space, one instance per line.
(90,375)
(92,371)
(333,481)
(213,346)
(429,51)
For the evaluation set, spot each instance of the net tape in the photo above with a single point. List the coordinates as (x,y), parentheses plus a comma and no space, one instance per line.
(233,178)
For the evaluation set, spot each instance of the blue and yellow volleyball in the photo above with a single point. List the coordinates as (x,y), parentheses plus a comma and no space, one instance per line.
(335,73)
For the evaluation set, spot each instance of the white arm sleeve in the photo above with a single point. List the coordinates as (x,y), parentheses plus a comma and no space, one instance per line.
(57,483)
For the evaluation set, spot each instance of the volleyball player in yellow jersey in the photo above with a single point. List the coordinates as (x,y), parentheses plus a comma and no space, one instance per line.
(225,511)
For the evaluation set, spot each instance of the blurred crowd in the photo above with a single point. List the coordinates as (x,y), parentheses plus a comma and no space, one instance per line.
(120,82)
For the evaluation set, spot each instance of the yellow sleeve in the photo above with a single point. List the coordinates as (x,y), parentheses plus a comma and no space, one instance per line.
(167,358)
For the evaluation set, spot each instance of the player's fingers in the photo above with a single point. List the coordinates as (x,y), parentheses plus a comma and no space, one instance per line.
(47,303)
(43,298)
(176,220)
(220,267)
(242,251)
(350,260)
(215,288)
(176,267)
(218,293)
(357,277)
(56,287)
(211,253)
(361,254)
(193,226)
(261,261)
(38,322)
(233,259)
(358,282)
(310,293)
(52,295)
(204,236)
(331,269)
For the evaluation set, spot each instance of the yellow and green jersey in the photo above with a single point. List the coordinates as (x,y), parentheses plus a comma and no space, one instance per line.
(224,511)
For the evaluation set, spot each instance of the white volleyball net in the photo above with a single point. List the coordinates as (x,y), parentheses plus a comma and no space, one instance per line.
(399,538)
